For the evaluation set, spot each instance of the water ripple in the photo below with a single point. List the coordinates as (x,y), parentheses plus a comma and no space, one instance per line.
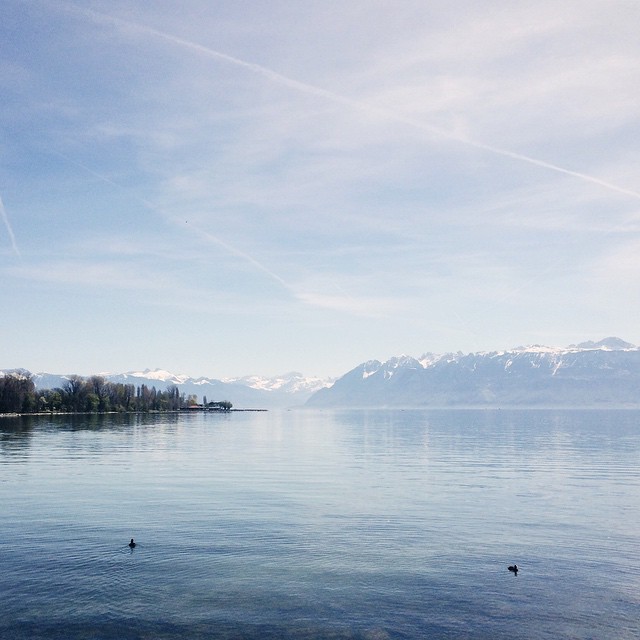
(367,525)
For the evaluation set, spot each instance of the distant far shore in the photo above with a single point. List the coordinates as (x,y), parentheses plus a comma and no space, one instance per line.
(121,413)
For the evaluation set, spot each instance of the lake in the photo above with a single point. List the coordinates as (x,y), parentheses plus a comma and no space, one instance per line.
(367,525)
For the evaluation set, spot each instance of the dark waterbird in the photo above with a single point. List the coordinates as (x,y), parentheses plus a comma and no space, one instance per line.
(132,544)
(513,568)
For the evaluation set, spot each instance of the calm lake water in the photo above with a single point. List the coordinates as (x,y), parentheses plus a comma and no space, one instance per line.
(302,525)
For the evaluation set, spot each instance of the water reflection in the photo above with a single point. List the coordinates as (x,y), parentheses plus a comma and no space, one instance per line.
(15,438)
(17,432)
(334,524)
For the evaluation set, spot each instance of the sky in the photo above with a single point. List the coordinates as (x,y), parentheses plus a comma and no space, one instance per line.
(230,188)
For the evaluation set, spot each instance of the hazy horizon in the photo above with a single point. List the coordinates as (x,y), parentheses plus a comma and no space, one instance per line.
(426,358)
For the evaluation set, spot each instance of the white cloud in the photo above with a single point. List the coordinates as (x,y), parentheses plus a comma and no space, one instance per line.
(399,163)
(9,228)
(620,265)
(95,276)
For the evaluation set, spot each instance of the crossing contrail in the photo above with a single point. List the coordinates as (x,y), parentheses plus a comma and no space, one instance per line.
(358,105)
(7,224)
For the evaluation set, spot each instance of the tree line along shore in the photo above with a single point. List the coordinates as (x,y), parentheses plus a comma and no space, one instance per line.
(18,394)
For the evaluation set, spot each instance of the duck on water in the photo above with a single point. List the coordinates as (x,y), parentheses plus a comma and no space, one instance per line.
(512,568)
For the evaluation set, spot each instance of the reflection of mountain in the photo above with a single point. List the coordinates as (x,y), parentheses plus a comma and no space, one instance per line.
(288,390)
(602,373)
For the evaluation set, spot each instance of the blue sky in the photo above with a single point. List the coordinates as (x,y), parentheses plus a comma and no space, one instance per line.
(228,188)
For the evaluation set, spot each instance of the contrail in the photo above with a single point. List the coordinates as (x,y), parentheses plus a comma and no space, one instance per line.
(7,224)
(212,239)
(245,256)
(153,207)
(348,102)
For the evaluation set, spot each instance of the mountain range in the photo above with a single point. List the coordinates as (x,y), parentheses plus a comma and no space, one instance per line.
(249,392)
(590,374)
(603,373)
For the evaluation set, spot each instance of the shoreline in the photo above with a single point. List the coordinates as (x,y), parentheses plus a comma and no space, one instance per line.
(121,413)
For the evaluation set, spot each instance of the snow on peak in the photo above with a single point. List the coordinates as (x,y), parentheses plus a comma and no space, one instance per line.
(292,382)
(539,348)
(402,361)
(160,375)
(607,344)
(370,367)
(21,374)
(430,359)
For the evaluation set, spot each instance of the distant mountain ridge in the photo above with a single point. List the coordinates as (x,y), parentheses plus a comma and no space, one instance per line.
(600,373)
(250,392)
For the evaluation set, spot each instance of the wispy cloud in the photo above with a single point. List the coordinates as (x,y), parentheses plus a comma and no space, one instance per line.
(367,307)
(7,224)
(350,103)
(74,272)
(214,191)
(190,227)
(324,180)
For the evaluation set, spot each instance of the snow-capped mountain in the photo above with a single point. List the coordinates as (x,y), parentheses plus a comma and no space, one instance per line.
(250,392)
(603,373)
(292,383)
(586,374)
